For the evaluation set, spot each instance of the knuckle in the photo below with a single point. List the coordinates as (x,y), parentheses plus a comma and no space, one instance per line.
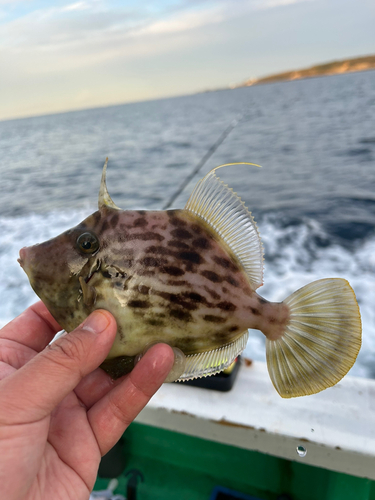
(139,388)
(119,412)
(67,351)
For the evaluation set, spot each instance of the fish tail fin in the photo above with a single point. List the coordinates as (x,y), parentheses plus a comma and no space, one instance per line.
(321,341)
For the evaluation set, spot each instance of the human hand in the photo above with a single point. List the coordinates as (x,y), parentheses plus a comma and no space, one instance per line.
(59,413)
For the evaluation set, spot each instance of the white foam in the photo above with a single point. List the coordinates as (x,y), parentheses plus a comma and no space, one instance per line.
(15,233)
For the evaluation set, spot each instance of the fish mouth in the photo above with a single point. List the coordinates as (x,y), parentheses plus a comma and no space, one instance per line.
(22,257)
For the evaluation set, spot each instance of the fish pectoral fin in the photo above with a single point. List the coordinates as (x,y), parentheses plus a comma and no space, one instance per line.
(88,292)
(215,361)
(321,341)
(222,209)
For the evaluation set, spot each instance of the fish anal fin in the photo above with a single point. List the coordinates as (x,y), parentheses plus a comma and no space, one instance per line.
(215,361)
(321,341)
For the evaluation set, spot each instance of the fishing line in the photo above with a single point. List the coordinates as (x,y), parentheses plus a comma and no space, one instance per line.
(204,160)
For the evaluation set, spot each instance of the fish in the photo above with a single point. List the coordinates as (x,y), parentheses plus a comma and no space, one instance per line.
(188,277)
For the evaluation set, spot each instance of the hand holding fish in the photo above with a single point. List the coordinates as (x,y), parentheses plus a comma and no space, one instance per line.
(59,413)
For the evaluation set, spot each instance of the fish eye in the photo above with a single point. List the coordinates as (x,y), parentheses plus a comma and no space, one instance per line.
(87,243)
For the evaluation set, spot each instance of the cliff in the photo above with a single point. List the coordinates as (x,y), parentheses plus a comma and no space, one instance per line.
(331,68)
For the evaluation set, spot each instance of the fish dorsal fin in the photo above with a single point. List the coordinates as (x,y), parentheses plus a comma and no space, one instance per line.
(104,198)
(226,213)
(211,362)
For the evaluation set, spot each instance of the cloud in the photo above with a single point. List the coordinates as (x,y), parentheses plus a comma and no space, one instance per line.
(183,22)
(92,20)
(11,2)
(87,32)
(76,6)
(90,33)
(55,26)
(70,53)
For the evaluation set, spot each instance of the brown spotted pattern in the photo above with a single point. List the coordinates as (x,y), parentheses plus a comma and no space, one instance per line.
(164,275)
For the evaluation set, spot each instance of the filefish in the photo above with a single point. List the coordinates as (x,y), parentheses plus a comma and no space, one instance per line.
(188,277)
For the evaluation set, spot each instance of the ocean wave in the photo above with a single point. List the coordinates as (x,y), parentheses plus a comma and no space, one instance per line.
(18,232)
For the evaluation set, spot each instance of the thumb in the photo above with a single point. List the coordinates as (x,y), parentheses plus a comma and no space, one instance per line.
(32,392)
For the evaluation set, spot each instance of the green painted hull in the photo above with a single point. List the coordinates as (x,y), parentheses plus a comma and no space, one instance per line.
(180,467)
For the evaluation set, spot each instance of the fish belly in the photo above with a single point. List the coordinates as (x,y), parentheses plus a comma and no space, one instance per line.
(183,287)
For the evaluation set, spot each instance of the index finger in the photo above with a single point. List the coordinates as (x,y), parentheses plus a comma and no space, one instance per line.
(34,328)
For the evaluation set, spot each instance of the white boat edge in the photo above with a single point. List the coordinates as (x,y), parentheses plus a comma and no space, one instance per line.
(336,427)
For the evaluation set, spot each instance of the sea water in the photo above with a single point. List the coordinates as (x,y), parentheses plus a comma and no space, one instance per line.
(313,199)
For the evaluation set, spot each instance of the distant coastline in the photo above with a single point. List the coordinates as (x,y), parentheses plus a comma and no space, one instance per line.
(331,68)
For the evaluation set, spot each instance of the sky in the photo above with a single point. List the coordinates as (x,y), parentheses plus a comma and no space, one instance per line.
(64,55)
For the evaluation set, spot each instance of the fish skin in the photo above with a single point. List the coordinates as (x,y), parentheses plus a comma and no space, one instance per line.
(188,278)
(164,275)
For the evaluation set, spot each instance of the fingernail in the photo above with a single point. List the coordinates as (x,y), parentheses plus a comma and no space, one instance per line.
(97,322)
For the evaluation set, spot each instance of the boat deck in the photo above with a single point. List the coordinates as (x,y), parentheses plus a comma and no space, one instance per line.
(188,439)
